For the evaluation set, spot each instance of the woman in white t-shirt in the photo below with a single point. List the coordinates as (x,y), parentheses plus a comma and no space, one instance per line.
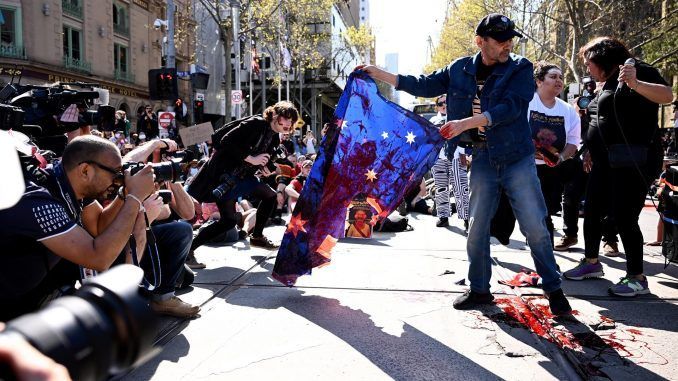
(556,133)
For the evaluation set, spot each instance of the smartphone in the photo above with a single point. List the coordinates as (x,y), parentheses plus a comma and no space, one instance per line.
(166,196)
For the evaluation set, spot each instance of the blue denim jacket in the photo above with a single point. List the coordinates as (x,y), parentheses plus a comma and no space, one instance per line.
(504,100)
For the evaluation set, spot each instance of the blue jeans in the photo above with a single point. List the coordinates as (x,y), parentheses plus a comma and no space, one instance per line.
(520,182)
(174,242)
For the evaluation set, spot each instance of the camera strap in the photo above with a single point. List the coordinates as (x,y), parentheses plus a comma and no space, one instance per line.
(154,256)
(60,183)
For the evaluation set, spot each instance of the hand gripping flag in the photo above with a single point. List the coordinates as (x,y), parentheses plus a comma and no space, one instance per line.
(374,147)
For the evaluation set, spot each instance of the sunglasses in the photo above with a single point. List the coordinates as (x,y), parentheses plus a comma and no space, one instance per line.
(441,103)
(118,176)
(502,26)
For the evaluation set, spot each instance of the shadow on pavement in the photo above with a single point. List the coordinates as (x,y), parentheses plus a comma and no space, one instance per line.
(412,355)
(179,348)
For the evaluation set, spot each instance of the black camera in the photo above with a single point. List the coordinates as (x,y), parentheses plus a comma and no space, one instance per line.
(587,94)
(165,171)
(280,153)
(583,101)
(105,328)
(166,195)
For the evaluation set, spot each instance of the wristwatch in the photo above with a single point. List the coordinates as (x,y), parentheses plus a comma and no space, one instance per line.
(562,158)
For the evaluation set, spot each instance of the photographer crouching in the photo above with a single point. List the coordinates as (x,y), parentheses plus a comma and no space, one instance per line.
(45,244)
(161,240)
(244,148)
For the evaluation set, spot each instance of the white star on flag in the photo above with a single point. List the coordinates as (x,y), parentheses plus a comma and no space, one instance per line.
(384,135)
(410,137)
(371,175)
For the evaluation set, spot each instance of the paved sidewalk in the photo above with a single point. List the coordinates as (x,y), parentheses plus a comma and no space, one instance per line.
(383,310)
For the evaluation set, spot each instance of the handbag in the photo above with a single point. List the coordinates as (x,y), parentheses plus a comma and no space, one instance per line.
(622,155)
(626,155)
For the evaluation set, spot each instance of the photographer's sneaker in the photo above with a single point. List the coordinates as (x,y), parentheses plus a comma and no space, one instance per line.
(175,307)
(263,242)
(565,243)
(585,270)
(610,249)
(629,287)
(193,263)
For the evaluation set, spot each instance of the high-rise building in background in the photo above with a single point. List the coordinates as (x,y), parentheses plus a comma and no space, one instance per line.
(391,65)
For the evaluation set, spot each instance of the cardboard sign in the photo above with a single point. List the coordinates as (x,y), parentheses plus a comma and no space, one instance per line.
(196,134)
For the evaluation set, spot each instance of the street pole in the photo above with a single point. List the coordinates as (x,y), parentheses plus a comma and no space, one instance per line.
(171,55)
(235,13)
(263,84)
(251,102)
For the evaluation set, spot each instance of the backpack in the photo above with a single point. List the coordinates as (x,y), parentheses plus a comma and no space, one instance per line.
(393,223)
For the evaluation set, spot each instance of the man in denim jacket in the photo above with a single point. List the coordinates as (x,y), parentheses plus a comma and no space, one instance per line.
(488,95)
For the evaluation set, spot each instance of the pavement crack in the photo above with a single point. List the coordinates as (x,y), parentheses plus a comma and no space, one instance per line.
(260,361)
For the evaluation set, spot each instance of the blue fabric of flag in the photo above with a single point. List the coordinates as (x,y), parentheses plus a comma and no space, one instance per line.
(374,147)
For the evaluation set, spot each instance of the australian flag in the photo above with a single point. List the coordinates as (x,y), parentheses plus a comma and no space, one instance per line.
(375,148)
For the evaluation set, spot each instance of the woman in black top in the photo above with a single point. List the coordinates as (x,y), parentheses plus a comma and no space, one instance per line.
(625,155)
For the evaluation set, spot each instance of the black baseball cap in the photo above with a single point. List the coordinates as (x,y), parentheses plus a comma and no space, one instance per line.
(497,26)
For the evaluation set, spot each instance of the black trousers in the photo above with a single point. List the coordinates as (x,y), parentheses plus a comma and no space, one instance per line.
(621,192)
(573,194)
(553,181)
(250,188)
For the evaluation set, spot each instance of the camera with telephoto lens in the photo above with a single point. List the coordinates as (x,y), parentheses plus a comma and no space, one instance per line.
(164,171)
(228,181)
(35,110)
(105,328)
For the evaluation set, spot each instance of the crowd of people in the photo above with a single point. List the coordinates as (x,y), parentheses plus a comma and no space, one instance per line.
(119,196)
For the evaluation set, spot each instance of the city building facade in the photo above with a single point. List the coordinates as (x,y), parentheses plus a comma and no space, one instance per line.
(111,43)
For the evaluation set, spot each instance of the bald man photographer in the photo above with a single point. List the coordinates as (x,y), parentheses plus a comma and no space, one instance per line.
(43,242)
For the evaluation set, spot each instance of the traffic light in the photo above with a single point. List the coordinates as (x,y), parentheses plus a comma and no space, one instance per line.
(198,109)
(162,84)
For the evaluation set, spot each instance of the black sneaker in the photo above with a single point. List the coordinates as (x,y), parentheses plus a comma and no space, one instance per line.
(558,303)
(263,242)
(442,222)
(471,299)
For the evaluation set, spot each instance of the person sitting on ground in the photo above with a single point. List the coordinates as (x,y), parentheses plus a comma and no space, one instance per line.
(172,236)
(297,184)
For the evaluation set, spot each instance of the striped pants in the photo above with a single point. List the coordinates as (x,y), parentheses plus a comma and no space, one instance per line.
(452,174)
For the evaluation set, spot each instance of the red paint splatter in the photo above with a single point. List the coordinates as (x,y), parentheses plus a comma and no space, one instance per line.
(537,318)
(528,313)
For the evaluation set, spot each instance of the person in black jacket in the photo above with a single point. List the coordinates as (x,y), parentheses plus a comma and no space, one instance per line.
(243,148)
(624,158)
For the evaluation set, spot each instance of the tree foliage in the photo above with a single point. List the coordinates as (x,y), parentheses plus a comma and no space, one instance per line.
(302,27)
(555,30)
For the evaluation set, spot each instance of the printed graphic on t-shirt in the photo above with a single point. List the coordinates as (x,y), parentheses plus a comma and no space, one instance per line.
(51,217)
(548,135)
(477,134)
